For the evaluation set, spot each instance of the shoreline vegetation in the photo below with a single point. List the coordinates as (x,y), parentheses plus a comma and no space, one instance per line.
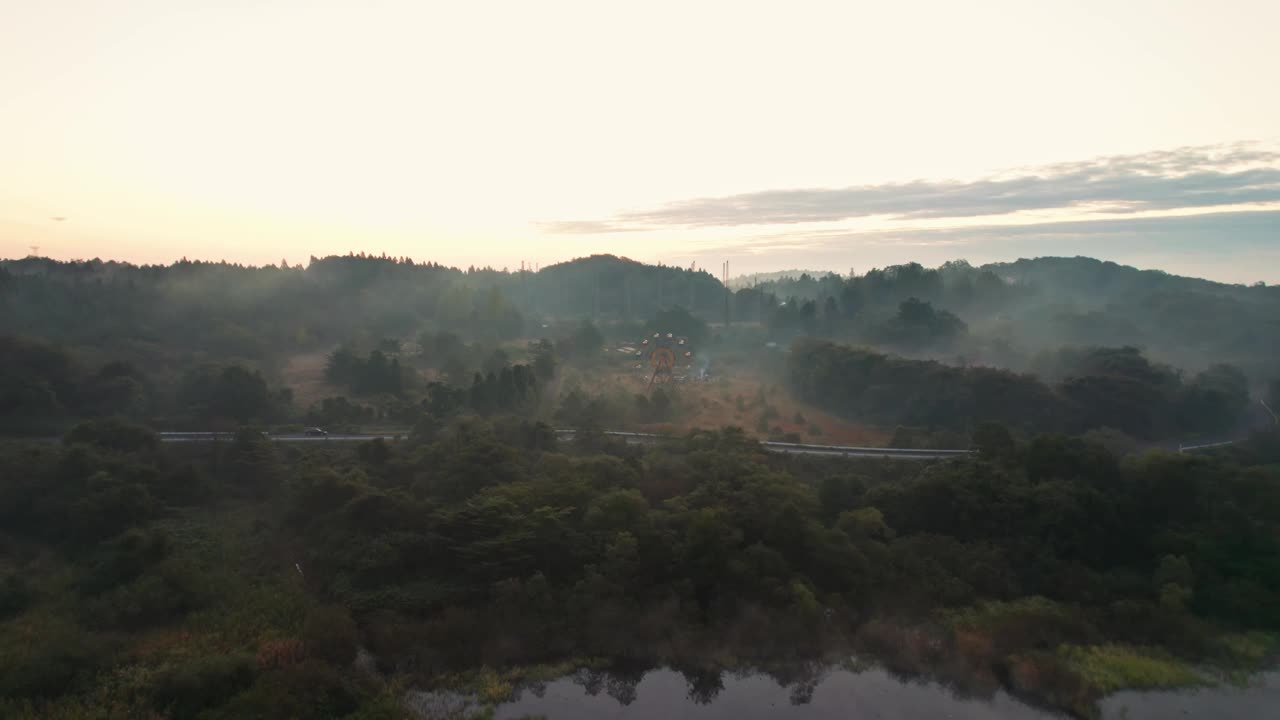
(1072,679)
(248,579)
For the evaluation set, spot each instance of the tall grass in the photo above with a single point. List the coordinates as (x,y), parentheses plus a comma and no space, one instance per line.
(1109,668)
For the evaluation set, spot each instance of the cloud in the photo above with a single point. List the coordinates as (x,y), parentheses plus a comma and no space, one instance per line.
(1240,243)
(584,227)
(1184,178)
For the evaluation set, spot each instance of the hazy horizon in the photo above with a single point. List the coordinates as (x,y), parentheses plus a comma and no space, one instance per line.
(735,276)
(819,135)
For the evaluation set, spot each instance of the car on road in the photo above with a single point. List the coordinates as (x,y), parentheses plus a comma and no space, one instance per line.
(317,432)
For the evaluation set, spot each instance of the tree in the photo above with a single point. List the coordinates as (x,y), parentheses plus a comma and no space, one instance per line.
(329,634)
(341,366)
(113,434)
(1215,399)
(544,359)
(231,391)
(839,493)
(439,349)
(583,345)
(497,361)
(830,316)
(865,524)
(709,542)
(678,321)
(918,325)
(993,441)
(373,374)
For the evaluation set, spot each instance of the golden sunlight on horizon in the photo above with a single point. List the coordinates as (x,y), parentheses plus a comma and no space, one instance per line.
(491,133)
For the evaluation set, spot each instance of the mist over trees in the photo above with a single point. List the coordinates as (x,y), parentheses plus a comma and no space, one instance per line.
(244,577)
(1144,352)
(1095,388)
(1012,311)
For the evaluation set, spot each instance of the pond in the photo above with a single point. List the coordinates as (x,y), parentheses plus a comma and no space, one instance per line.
(840,693)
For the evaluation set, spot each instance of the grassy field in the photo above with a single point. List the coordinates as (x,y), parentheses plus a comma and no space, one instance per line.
(744,395)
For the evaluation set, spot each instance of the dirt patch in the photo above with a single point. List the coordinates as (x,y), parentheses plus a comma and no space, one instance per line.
(305,374)
(742,401)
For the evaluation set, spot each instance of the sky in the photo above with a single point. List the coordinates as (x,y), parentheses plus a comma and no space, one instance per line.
(819,135)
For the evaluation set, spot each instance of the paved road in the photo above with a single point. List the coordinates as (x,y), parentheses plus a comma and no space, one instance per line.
(629,437)
(648,439)
(189,437)
(869,452)
(796,448)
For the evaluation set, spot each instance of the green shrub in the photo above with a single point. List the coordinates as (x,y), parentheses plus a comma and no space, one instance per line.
(14,595)
(329,634)
(44,656)
(1118,667)
(113,434)
(162,595)
(206,682)
(310,689)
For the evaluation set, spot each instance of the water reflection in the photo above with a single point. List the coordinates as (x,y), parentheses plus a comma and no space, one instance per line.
(812,695)
(826,693)
(1260,700)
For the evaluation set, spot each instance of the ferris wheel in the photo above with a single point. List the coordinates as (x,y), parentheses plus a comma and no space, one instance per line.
(666,353)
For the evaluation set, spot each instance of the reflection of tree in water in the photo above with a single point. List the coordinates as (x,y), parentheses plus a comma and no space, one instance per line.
(591,680)
(801,677)
(622,689)
(802,692)
(704,684)
(622,678)
(618,682)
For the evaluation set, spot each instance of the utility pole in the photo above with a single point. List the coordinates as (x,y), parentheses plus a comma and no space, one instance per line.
(1275,419)
(692,285)
(727,293)
(626,292)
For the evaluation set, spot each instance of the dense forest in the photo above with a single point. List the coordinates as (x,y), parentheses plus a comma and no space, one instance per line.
(1081,390)
(1010,312)
(1152,355)
(1001,314)
(1075,551)
(247,579)
(220,310)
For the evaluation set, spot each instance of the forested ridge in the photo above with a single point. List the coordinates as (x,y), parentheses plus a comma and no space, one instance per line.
(1089,389)
(224,310)
(1010,312)
(999,314)
(1151,355)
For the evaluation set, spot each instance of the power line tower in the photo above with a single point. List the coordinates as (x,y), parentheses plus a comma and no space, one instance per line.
(35,250)
(693,268)
(595,297)
(727,292)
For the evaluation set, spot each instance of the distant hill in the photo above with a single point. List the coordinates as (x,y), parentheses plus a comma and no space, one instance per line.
(1085,278)
(1011,310)
(753,279)
(212,310)
(1015,310)
(608,287)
